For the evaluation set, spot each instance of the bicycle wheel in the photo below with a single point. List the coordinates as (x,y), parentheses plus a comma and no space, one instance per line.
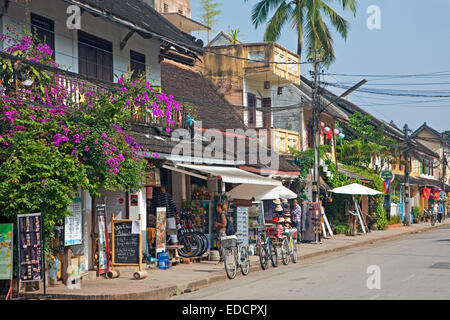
(433,220)
(204,242)
(294,251)
(273,255)
(230,262)
(285,252)
(191,245)
(245,261)
(263,256)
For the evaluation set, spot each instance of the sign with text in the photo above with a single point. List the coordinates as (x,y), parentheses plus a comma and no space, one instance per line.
(30,247)
(73,227)
(242,225)
(160,229)
(126,244)
(6,251)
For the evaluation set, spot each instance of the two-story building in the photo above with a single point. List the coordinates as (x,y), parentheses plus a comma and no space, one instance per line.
(113,38)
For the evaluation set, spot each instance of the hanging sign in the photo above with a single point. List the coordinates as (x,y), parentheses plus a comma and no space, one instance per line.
(73,231)
(387,175)
(30,247)
(6,251)
(160,229)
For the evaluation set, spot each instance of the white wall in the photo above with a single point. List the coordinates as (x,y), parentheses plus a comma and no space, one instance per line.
(140,209)
(66,46)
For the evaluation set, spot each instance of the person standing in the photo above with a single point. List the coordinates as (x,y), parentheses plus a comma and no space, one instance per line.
(440,211)
(296,215)
(220,228)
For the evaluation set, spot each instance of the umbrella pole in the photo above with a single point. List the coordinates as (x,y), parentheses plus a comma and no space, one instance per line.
(359,215)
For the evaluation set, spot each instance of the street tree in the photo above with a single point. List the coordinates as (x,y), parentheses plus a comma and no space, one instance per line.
(306,17)
(209,10)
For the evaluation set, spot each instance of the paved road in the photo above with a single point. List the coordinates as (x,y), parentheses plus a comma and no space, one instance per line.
(412,267)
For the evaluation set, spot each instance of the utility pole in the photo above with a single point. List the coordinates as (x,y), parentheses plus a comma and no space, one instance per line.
(316,214)
(444,174)
(407,190)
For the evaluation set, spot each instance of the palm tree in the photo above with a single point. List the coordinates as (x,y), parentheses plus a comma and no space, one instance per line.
(234,34)
(306,17)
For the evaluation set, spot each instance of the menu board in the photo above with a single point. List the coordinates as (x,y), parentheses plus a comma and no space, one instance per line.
(242,225)
(73,231)
(160,229)
(6,251)
(30,247)
(126,244)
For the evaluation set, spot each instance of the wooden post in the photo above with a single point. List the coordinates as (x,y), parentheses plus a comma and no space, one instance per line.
(112,240)
(140,244)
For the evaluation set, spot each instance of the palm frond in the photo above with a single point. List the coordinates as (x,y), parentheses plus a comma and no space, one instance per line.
(278,20)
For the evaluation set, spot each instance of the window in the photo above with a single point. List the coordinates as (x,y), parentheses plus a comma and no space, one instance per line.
(257,55)
(137,63)
(44,29)
(95,57)
(267,112)
(166,8)
(251,103)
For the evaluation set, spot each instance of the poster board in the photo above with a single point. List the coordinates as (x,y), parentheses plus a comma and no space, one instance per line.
(103,245)
(73,225)
(6,251)
(242,225)
(160,230)
(126,244)
(31,265)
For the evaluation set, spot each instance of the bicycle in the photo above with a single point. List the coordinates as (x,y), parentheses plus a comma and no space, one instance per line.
(266,250)
(235,255)
(194,242)
(289,246)
(433,218)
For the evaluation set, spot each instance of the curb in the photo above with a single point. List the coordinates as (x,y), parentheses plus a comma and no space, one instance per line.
(164,293)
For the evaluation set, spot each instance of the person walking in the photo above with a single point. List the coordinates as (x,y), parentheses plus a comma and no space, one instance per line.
(220,228)
(296,215)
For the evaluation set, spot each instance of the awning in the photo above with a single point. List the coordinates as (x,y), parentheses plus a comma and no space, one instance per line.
(260,192)
(232,175)
(356,189)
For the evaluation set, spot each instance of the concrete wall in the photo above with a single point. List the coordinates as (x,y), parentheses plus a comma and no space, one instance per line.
(66,41)
(173,6)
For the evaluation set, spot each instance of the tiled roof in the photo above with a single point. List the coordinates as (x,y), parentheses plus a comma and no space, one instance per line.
(142,16)
(188,85)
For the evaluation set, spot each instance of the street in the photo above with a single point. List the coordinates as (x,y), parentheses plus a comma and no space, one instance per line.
(412,267)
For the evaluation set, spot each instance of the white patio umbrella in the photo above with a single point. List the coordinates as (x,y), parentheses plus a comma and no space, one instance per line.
(356,189)
(260,192)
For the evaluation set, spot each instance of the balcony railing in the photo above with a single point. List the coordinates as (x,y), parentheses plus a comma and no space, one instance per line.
(78,89)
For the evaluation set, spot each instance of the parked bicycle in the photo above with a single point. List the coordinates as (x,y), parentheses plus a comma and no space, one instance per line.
(235,255)
(267,250)
(433,217)
(289,246)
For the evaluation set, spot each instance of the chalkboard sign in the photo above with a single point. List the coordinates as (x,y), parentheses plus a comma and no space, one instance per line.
(30,247)
(126,243)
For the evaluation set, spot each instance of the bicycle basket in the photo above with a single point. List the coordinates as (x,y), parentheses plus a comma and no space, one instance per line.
(228,242)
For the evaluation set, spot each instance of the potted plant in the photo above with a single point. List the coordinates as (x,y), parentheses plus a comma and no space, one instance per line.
(427,216)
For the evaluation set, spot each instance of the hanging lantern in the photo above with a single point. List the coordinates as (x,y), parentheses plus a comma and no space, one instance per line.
(327,130)
(329,135)
(336,132)
(341,135)
(266,84)
(322,125)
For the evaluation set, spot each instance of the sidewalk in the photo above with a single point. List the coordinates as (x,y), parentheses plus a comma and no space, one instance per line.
(162,284)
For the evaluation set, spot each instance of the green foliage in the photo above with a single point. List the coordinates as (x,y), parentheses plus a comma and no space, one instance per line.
(394,220)
(416,213)
(209,12)
(382,221)
(307,19)
(235,35)
(342,229)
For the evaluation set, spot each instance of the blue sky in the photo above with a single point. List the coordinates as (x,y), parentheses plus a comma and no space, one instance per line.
(414,39)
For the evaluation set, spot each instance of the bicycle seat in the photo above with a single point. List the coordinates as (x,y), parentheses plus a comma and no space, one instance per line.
(228,238)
